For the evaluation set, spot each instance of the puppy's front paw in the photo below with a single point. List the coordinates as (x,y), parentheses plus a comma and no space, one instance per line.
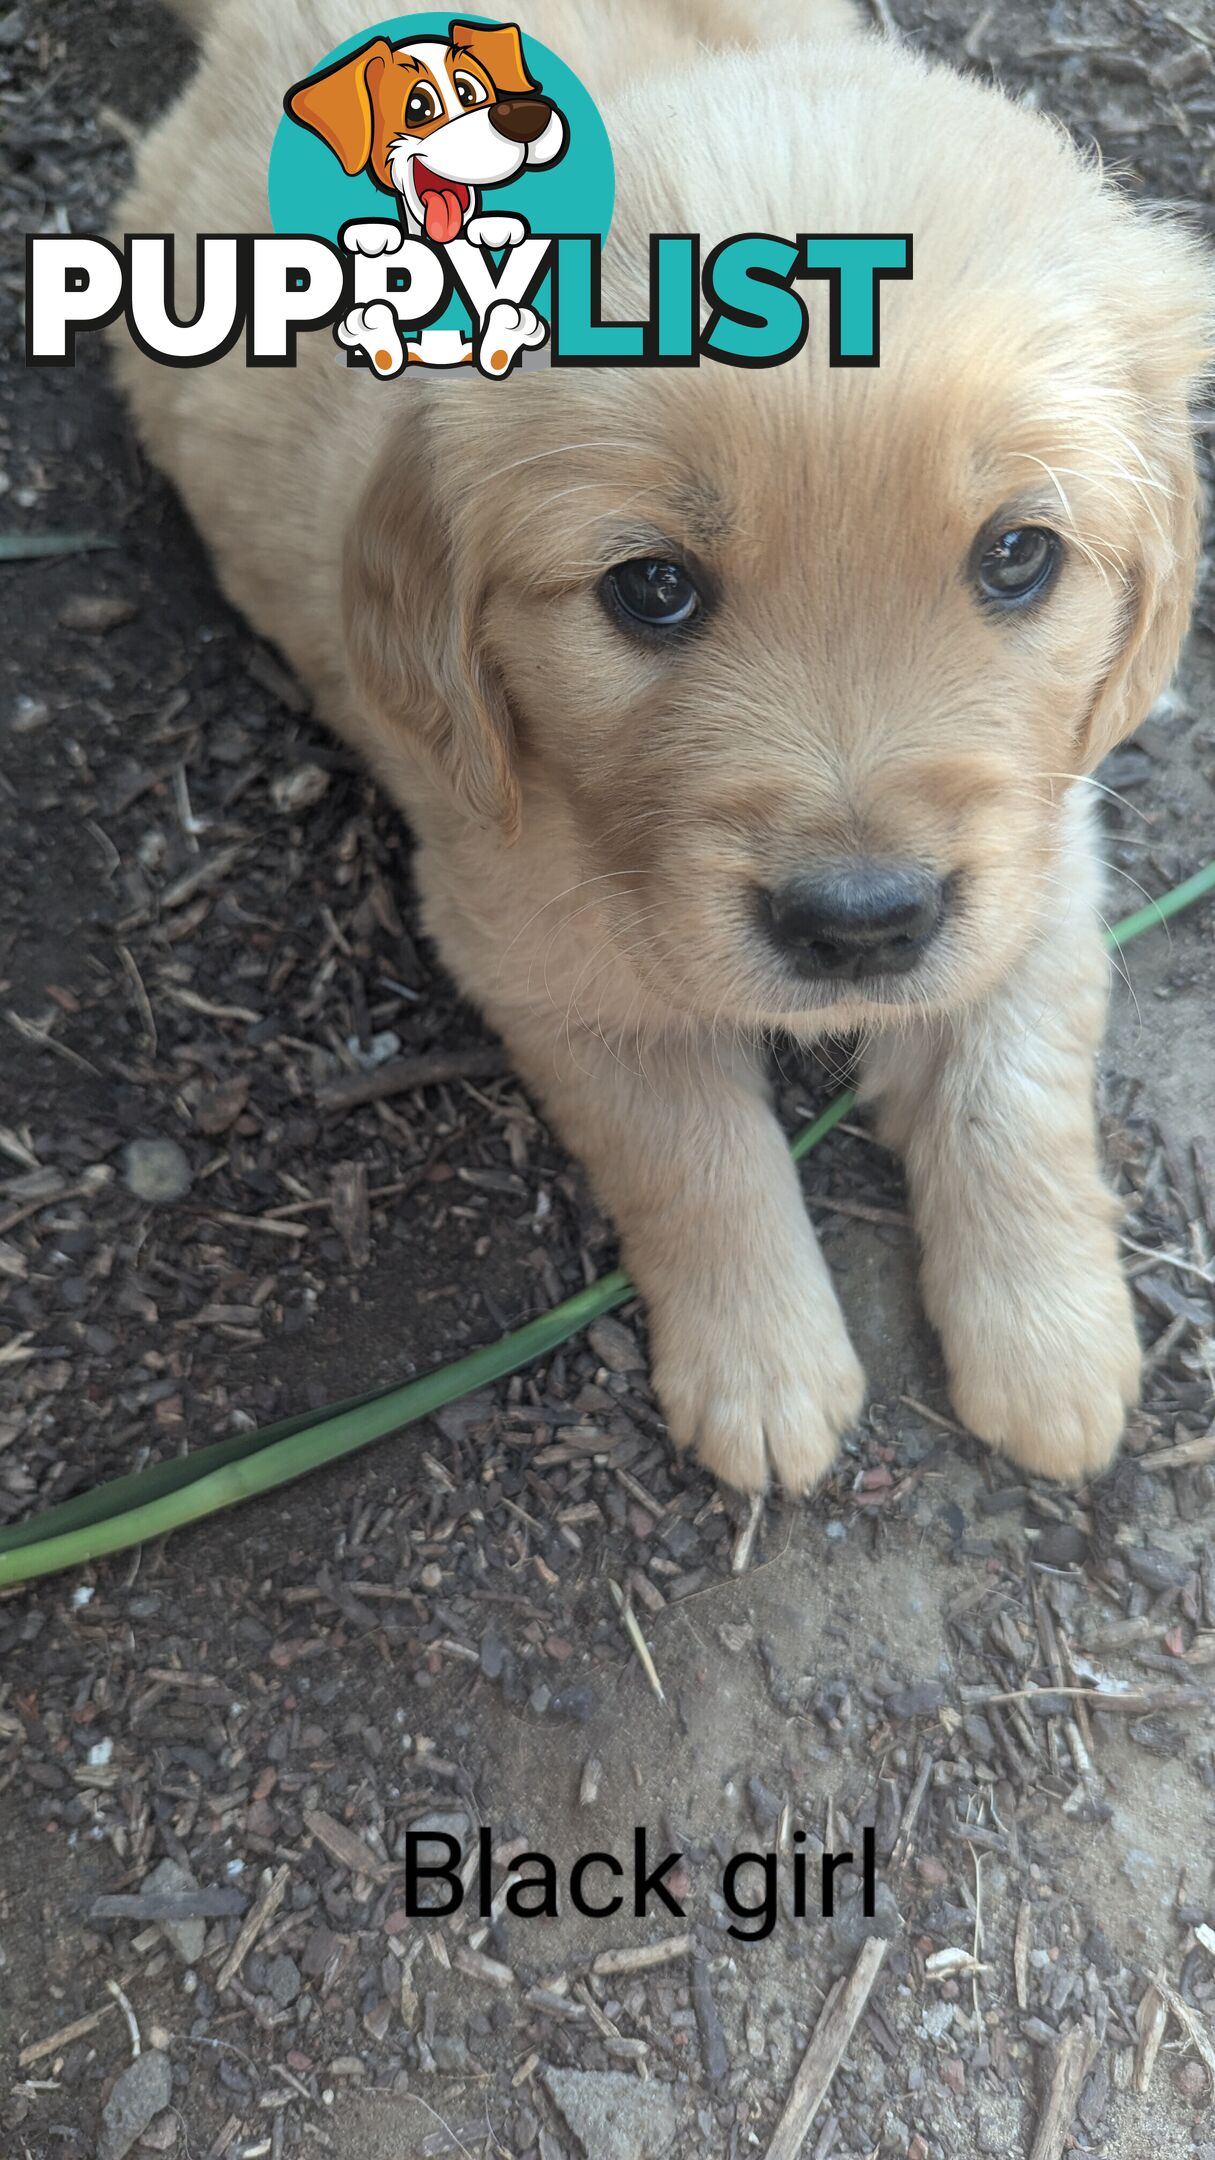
(757,1380)
(1044,1368)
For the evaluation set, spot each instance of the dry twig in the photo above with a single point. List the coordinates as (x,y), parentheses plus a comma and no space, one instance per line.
(826,2050)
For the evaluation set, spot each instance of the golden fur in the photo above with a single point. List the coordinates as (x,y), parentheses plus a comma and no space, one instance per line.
(592,815)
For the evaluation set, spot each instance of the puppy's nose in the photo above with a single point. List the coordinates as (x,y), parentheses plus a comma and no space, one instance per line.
(520,119)
(856,918)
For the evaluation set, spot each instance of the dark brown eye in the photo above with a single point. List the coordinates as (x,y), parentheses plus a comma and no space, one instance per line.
(420,106)
(655,594)
(469,91)
(1019,565)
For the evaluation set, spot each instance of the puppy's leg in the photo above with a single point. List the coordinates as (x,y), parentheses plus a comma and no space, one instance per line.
(752,1364)
(1020,1267)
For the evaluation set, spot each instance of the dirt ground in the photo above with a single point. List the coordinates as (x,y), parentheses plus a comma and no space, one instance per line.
(206,916)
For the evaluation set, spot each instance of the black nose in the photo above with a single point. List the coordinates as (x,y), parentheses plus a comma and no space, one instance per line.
(521,119)
(856,918)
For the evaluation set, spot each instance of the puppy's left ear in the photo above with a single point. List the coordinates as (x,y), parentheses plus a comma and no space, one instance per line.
(500,52)
(1170,351)
(412,608)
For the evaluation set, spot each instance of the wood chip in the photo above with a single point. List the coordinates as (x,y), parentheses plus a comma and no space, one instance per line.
(1186,1452)
(744,1543)
(149,1905)
(40,2049)
(825,2053)
(398,1075)
(1192,2026)
(643,1959)
(640,1645)
(1073,2060)
(1022,1945)
(479,1967)
(1127,1702)
(344,1846)
(270,1897)
(351,1210)
(1151,2019)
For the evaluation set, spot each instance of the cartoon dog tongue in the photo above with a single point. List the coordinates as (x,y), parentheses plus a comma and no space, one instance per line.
(441,208)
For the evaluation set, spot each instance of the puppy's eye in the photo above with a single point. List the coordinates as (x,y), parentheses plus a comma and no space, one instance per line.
(655,594)
(469,91)
(1019,565)
(420,106)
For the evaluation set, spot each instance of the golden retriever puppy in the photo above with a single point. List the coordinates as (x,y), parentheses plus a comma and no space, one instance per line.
(726,702)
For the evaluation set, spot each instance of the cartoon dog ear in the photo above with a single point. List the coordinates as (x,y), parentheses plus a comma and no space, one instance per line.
(412,623)
(500,52)
(337,104)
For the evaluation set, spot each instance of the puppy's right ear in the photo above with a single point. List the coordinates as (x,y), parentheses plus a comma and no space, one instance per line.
(338,104)
(412,619)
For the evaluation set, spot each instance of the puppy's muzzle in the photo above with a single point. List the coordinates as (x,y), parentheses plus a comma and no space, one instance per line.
(521,119)
(855,919)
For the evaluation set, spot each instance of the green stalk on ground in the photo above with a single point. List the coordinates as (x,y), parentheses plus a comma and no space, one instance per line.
(166,1496)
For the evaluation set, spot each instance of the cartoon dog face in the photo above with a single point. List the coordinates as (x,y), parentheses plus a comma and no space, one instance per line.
(434,121)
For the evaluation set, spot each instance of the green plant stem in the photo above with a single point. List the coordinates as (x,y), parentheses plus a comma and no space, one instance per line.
(166,1496)
(1159,911)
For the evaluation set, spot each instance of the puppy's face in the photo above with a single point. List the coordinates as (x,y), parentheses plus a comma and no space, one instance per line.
(811,657)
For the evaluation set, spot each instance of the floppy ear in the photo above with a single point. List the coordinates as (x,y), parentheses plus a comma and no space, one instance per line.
(1169,345)
(337,104)
(412,625)
(1161,595)
(500,52)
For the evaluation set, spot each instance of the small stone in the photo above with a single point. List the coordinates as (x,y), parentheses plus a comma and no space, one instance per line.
(187,1937)
(156,1171)
(161,2135)
(851,1926)
(217,1109)
(612,2116)
(920,1700)
(450,2051)
(377,2020)
(493,1653)
(442,1822)
(283,1981)
(144,2091)
(615,1346)
(1060,1545)
(96,612)
(300,789)
(936,2019)
(28,715)
(765,1803)
(375,1051)
(998,2124)
(1192,2080)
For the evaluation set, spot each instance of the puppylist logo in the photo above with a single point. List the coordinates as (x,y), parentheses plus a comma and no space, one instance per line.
(440,192)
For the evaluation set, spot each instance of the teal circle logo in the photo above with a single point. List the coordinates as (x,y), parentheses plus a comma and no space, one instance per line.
(310,192)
